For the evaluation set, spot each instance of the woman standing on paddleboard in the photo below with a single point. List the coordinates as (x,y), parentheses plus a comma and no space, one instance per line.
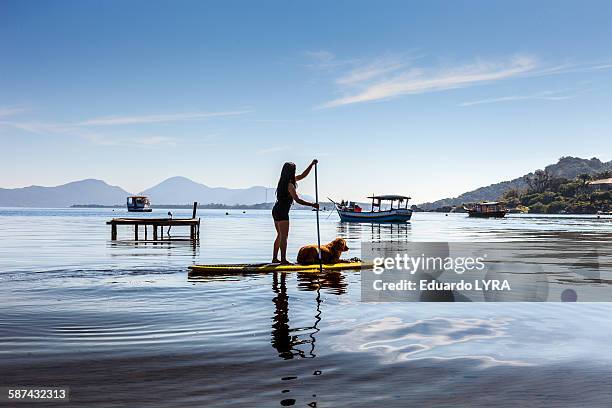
(285,195)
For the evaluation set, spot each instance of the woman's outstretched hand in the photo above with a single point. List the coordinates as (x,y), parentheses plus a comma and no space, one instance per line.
(315,205)
(314,161)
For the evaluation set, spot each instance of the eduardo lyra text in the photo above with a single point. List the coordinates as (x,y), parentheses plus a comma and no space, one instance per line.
(424,285)
(414,264)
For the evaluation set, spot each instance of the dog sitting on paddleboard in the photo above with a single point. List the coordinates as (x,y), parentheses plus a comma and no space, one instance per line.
(330,253)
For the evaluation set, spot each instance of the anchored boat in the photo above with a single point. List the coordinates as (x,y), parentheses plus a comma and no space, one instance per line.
(138,204)
(352,212)
(491,209)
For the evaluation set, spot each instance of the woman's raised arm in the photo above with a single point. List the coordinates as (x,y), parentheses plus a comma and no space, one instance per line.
(305,172)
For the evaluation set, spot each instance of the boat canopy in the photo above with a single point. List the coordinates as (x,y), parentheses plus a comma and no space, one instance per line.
(378,199)
(389,197)
(138,201)
(489,206)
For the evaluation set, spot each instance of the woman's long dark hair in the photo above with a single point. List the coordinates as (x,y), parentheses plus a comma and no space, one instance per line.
(287,176)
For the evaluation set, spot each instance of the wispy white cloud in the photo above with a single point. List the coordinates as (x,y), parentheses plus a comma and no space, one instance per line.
(544,96)
(146,141)
(572,68)
(38,128)
(375,69)
(321,55)
(325,60)
(87,129)
(392,76)
(172,117)
(600,67)
(415,80)
(6,111)
(49,129)
(289,120)
(273,149)
(154,141)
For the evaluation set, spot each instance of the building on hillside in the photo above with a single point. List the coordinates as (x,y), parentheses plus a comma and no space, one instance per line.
(602,184)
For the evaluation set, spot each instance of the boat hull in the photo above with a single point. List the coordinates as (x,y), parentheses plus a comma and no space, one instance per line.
(491,214)
(148,209)
(397,216)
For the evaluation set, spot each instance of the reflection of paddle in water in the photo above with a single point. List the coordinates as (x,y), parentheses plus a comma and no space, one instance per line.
(286,343)
(283,338)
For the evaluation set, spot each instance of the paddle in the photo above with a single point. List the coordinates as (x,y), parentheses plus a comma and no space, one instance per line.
(318,230)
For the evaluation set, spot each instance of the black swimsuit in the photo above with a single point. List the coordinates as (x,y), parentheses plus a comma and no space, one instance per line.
(280,211)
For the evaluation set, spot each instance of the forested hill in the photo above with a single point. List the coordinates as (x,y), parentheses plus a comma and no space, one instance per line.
(566,168)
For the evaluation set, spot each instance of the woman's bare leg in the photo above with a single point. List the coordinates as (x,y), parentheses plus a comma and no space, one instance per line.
(276,243)
(284,233)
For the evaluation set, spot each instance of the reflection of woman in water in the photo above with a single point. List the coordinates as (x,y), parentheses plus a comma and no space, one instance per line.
(281,340)
(285,195)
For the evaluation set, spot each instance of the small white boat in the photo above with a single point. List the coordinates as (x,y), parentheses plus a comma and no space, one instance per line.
(138,204)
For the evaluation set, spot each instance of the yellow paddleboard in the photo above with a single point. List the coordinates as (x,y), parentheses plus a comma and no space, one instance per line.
(262,268)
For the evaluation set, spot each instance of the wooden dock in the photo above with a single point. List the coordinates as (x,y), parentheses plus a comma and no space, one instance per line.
(158,223)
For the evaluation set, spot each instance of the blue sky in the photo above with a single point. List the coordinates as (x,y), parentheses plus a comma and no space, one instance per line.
(429,99)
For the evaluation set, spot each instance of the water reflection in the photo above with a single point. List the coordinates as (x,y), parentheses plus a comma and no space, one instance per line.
(191,245)
(291,342)
(300,341)
(333,282)
(375,232)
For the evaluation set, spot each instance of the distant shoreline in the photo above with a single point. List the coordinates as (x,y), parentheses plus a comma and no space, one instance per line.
(268,206)
(211,206)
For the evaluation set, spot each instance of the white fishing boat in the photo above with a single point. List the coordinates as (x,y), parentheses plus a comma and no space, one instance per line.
(138,204)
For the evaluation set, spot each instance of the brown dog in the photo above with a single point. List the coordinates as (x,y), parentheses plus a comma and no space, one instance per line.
(330,253)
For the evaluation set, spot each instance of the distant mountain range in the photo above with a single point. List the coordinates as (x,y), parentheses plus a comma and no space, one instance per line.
(567,167)
(175,190)
(181,190)
(88,191)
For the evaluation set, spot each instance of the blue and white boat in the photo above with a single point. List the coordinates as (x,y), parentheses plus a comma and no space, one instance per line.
(352,212)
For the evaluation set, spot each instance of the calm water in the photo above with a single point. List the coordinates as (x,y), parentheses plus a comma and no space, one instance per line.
(122,324)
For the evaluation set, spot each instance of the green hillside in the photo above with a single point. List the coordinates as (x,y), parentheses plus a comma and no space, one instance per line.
(566,168)
(548,194)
